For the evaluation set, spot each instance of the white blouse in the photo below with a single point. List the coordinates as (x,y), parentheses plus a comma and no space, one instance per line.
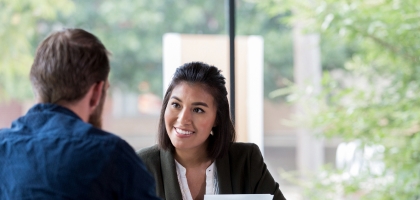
(211,180)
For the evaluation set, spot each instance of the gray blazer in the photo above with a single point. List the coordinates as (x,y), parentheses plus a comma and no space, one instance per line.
(241,171)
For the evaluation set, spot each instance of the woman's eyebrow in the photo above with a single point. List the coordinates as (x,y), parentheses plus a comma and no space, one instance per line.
(200,104)
(176,98)
(194,104)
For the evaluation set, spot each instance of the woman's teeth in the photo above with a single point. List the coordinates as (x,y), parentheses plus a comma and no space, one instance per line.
(183,132)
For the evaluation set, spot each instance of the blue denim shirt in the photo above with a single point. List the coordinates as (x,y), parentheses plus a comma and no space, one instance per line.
(50,153)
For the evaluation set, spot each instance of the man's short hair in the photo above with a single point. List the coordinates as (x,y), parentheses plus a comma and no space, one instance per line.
(67,63)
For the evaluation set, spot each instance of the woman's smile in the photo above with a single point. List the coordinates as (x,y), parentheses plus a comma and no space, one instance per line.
(183,132)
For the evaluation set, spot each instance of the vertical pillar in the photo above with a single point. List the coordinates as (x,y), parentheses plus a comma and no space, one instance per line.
(232,65)
(255,93)
(171,57)
(307,75)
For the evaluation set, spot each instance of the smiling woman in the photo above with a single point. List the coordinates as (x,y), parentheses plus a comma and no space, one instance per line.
(189,117)
(196,154)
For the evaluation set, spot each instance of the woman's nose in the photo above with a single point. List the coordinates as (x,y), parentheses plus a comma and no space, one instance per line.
(184,116)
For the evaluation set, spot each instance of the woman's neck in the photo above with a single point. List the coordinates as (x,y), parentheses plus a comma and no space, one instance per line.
(192,158)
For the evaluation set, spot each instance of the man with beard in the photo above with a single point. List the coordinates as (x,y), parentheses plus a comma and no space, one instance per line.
(58,150)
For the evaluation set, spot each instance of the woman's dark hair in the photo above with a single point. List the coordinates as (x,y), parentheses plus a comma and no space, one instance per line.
(214,82)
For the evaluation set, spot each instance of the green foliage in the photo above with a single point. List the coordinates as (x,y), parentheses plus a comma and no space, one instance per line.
(18,29)
(375,98)
(132,31)
(252,19)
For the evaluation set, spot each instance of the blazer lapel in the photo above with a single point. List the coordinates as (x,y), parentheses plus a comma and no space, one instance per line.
(170,182)
(223,175)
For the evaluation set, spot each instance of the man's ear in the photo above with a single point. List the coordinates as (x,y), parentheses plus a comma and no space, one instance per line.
(97,89)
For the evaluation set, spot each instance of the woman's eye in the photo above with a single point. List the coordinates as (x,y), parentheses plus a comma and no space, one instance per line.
(198,110)
(175,105)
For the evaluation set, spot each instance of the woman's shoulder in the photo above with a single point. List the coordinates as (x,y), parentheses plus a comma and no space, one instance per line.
(240,148)
(149,153)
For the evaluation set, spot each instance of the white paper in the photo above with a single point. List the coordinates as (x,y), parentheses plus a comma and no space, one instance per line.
(239,197)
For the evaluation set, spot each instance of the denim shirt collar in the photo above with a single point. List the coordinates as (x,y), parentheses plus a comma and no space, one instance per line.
(46,107)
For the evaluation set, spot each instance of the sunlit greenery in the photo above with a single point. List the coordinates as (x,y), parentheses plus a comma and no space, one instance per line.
(19,29)
(375,100)
(132,31)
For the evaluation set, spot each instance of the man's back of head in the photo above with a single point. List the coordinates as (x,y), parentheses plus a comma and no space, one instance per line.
(58,150)
(66,64)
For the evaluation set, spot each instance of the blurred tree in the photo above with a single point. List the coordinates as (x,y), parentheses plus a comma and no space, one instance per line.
(19,30)
(132,31)
(251,19)
(375,99)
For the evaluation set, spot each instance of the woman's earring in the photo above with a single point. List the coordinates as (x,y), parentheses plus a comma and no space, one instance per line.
(211,132)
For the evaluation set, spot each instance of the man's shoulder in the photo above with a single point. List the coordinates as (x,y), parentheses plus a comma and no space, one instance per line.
(4,132)
(96,134)
(92,144)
